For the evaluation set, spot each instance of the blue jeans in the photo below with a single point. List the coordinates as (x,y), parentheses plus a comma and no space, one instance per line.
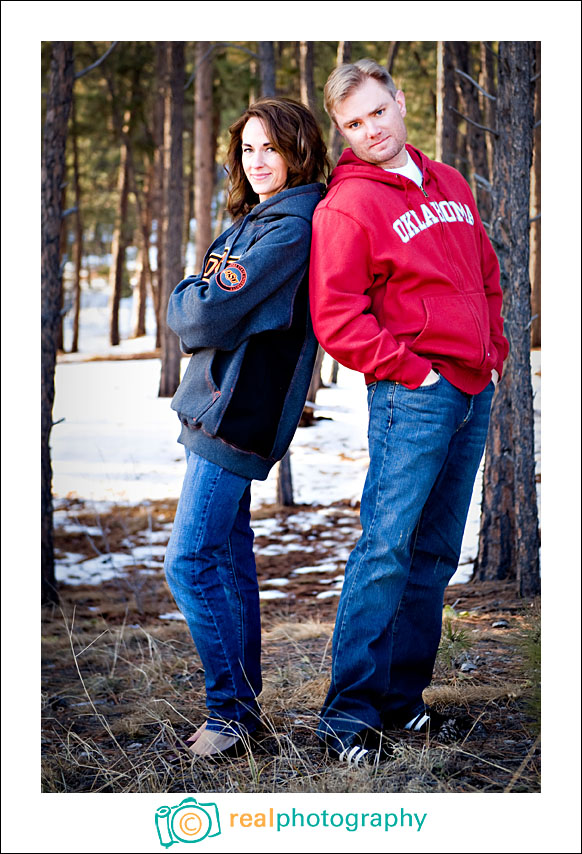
(210,568)
(425,448)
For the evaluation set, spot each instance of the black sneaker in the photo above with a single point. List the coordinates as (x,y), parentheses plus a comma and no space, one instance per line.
(364,748)
(445,728)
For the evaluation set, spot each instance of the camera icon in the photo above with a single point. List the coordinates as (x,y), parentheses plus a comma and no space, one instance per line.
(189,821)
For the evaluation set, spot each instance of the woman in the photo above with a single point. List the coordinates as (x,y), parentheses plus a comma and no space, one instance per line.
(245,320)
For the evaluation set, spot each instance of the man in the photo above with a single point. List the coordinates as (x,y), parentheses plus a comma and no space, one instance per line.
(404,288)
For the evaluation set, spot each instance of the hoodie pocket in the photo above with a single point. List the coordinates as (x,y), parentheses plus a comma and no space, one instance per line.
(197,392)
(457,327)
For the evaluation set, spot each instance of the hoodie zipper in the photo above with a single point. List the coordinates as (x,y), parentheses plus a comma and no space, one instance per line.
(456,274)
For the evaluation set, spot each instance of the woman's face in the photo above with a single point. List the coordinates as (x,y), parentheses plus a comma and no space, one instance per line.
(264,167)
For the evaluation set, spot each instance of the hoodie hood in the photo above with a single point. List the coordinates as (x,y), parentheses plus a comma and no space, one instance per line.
(296,201)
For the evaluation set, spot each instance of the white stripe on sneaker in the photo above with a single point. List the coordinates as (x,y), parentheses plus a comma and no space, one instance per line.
(418,722)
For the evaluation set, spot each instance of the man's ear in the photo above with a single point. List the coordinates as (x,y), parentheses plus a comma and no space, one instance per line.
(338,128)
(401,101)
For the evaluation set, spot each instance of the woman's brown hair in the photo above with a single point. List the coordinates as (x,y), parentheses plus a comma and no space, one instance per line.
(294,133)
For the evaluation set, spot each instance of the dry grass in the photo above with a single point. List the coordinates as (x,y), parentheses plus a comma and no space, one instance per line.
(120,696)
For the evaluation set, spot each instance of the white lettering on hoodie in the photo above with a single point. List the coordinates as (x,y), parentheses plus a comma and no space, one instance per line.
(406,227)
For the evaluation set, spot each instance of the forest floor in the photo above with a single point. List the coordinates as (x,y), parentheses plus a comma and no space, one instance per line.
(123,686)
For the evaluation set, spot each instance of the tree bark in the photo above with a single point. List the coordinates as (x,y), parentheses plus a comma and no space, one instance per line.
(203,153)
(535,269)
(52,174)
(335,139)
(266,51)
(509,535)
(446,122)
(173,211)
(78,233)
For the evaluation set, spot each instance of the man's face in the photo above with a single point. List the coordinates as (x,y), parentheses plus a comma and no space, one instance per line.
(372,122)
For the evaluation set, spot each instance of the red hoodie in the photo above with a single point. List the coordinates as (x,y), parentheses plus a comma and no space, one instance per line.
(404,279)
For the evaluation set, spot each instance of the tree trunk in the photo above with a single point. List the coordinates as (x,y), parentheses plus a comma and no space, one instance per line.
(119,242)
(446,122)
(285,482)
(266,51)
(333,374)
(535,269)
(391,58)
(509,535)
(78,233)
(203,153)
(306,84)
(487,82)
(63,255)
(173,211)
(52,174)
(140,293)
(468,95)
(335,140)
(158,184)
(316,381)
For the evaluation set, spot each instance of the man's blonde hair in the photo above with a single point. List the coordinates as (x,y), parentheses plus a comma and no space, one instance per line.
(345,78)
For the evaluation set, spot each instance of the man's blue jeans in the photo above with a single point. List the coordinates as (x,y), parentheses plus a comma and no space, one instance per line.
(210,568)
(425,448)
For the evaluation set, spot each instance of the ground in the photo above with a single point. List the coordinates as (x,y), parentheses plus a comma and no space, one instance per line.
(122,683)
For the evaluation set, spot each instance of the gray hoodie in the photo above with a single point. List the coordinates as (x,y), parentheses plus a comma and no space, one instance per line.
(245,321)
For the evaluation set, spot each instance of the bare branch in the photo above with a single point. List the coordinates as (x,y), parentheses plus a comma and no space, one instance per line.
(210,50)
(537,124)
(474,82)
(69,211)
(483,182)
(98,62)
(535,77)
(535,218)
(534,317)
(471,122)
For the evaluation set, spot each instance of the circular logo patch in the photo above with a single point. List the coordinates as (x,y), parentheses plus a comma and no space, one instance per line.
(232,278)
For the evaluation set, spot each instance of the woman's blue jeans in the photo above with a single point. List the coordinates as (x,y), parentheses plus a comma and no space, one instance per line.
(210,568)
(425,448)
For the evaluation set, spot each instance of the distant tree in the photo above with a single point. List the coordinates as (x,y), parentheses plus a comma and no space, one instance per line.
(446,119)
(266,51)
(58,107)
(487,101)
(173,211)
(78,229)
(285,481)
(307,87)
(158,123)
(335,139)
(468,96)
(204,148)
(120,235)
(509,534)
(123,121)
(143,269)
(391,58)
